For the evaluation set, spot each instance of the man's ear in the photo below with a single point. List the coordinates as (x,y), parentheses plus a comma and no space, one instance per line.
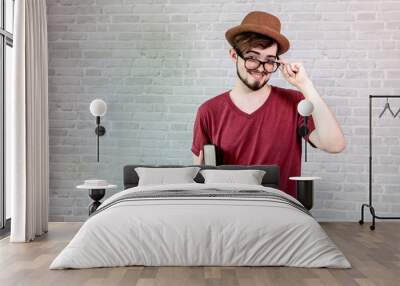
(233,54)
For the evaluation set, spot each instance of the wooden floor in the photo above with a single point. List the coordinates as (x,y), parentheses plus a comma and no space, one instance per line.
(374,255)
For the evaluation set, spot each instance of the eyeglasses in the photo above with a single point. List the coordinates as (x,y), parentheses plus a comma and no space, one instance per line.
(250,63)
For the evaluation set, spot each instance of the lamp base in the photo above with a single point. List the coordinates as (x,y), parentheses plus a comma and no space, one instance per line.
(96,195)
(100,130)
(302,130)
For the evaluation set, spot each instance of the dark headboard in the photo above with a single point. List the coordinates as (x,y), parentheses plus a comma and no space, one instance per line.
(270,179)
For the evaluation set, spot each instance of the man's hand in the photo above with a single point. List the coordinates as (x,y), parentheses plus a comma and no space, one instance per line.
(294,73)
(198,160)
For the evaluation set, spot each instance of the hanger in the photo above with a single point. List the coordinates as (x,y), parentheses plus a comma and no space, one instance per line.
(398,111)
(387,106)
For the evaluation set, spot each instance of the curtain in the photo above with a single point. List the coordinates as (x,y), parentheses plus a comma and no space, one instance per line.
(28,123)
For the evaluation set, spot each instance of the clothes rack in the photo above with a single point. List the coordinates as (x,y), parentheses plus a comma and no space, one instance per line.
(369,205)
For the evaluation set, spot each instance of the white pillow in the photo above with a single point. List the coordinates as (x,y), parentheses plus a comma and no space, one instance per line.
(249,177)
(165,176)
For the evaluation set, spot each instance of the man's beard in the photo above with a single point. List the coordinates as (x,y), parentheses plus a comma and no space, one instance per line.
(253,86)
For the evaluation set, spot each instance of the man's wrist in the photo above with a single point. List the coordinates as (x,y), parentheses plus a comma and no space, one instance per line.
(307,89)
(306,85)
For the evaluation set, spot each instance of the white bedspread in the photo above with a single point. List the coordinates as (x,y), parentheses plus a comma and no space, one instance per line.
(200,231)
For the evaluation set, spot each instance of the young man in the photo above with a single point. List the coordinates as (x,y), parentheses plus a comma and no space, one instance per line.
(257,123)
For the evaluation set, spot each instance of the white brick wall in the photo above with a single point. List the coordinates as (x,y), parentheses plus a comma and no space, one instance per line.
(154,62)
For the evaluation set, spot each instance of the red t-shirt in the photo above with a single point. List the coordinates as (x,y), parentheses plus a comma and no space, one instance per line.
(266,136)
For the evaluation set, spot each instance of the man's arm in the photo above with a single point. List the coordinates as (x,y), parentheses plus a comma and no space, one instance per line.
(327,135)
(201,135)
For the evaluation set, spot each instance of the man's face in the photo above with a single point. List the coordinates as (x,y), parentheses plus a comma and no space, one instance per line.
(255,79)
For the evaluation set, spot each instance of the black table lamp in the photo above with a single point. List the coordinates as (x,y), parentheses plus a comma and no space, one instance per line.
(305,108)
(98,108)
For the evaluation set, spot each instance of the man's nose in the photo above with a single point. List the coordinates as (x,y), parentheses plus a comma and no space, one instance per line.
(261,68)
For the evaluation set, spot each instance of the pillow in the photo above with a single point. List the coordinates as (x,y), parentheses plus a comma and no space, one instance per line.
(165,176)
(249,177)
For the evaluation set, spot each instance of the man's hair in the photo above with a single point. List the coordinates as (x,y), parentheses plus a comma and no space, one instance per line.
(247,40)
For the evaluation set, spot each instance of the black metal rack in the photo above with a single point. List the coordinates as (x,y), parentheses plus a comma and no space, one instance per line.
(371,208)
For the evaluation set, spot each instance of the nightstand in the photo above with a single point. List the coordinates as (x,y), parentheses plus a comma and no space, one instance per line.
(305,190)
(97,190)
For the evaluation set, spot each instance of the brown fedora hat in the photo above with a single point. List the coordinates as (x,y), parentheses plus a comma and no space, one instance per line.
(262,23)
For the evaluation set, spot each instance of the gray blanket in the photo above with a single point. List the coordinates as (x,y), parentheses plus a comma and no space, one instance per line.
(206,194)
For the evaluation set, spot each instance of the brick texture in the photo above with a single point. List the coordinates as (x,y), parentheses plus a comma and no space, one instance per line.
(155,61)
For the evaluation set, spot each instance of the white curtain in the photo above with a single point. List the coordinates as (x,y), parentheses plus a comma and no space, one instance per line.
(28,123)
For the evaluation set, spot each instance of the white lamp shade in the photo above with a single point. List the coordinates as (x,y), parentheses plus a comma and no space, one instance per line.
(98,107)
(305,107)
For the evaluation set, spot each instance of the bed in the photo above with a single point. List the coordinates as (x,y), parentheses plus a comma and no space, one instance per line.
(198,224)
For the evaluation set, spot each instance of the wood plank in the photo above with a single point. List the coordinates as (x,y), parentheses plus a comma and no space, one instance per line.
(374,255)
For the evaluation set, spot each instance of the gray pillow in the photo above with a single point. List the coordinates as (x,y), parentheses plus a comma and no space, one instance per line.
(249,177)
(165,176)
